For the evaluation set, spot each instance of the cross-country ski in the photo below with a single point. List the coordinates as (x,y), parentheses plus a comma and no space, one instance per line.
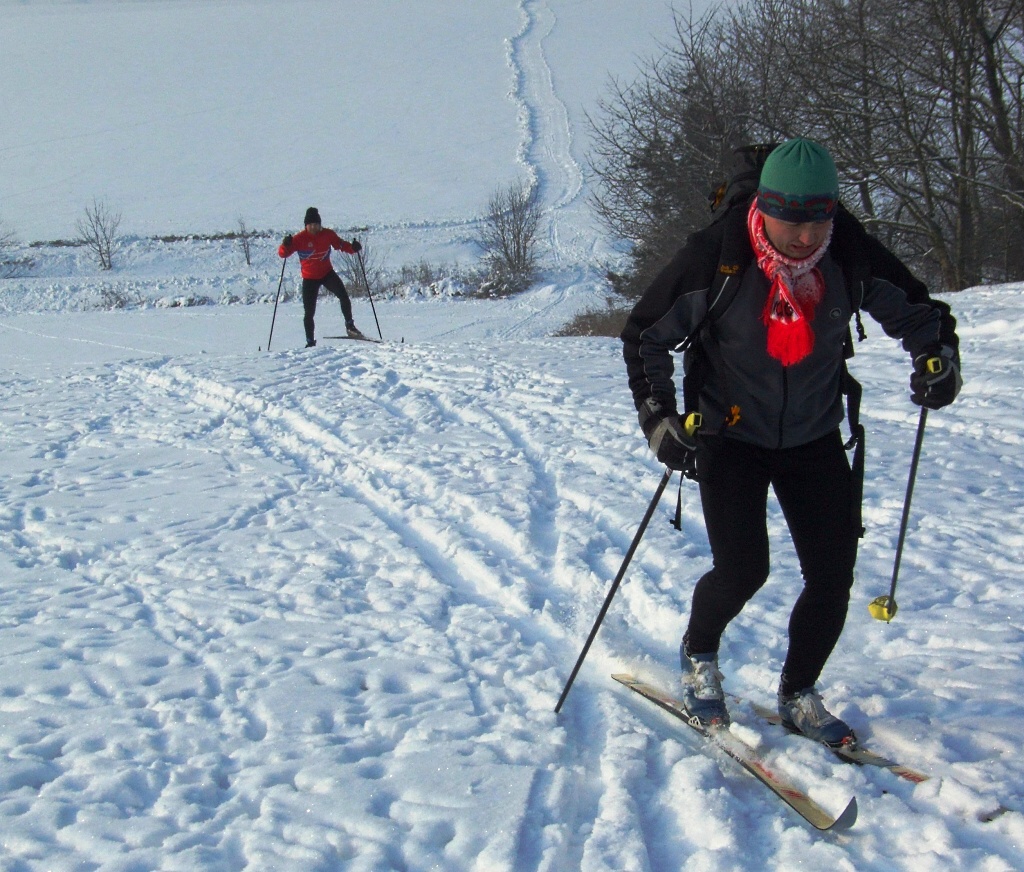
(355,338)
(748,758)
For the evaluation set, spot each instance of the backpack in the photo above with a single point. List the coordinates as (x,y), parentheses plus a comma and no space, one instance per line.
(743,178)
(726,201)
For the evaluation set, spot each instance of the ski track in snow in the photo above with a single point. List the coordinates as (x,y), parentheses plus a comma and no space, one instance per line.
(548,136)
(548,144)
(427,550)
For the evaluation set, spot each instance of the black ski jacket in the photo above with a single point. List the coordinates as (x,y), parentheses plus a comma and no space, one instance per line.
(779,407)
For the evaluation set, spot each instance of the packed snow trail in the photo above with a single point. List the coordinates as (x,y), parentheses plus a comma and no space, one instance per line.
(547,148)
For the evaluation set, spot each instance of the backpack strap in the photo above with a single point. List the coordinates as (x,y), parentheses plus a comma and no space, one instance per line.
(853,390)
(857,274)
(855,267)
(734,257)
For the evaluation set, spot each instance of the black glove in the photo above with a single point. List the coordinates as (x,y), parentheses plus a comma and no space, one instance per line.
(666,434)
(287,241)
(357,245)
(936,380)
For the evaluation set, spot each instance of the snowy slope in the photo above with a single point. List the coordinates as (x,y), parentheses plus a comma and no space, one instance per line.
(312,610)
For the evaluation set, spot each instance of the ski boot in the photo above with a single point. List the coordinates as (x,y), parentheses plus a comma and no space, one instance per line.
(804,712)
(703,697)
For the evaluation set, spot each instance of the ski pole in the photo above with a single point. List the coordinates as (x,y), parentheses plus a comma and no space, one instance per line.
(615,584)
(284,261)
(883,608)
(366,282)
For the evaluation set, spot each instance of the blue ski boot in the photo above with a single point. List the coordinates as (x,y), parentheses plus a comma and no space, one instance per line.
(804,712)
(703,697)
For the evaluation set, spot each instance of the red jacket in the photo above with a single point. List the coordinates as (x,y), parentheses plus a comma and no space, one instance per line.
(315,251)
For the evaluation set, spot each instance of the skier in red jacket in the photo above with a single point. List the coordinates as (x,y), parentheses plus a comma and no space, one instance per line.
(313,246)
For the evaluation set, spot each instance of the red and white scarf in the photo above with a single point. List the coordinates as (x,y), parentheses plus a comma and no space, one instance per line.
(797,287)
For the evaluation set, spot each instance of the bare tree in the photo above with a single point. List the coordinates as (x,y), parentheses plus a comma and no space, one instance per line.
(245,237)
(508,238)
(11,266)
(996,106)
(920,102)
(662,144)
(922,107)
(351,268)
(97,230)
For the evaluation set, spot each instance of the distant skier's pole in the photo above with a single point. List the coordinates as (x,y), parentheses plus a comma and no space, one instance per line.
(370,295)
(276,298)
(615,584)
(883,608)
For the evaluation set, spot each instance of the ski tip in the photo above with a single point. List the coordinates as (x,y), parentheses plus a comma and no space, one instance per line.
(847,819)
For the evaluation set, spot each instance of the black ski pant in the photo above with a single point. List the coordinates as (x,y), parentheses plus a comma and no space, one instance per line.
(813,486)
(311,290)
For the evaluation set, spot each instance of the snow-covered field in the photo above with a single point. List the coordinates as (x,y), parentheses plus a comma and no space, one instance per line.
(312,609)
(186,115)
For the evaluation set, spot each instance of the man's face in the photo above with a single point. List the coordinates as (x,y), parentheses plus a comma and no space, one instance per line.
(313,229)
(796,240)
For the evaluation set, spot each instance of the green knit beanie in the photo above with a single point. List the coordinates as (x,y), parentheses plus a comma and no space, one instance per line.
(799,183)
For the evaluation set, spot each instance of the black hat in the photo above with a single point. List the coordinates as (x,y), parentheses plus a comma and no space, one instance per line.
(312,216)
